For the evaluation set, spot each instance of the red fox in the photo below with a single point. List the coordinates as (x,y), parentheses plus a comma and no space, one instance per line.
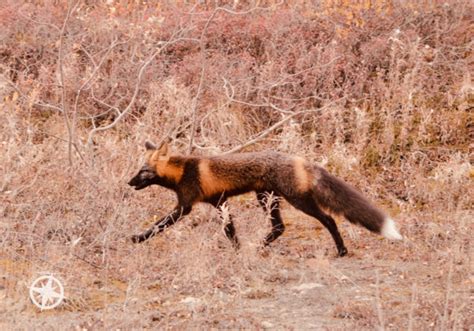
(213,179)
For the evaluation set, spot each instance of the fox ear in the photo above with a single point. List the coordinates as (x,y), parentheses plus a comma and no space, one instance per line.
(164,150)
(161,154)
(149,146)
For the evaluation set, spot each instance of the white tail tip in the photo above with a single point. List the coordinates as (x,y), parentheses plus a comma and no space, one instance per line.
(389,230)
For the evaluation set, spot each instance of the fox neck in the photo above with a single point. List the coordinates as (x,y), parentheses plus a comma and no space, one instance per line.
(170,171)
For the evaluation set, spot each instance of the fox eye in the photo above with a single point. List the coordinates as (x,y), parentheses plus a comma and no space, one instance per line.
(147,174)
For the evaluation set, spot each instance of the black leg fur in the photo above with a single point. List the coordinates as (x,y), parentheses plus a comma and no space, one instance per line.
(229,228)
(277,223)
(309,206)
(162,224)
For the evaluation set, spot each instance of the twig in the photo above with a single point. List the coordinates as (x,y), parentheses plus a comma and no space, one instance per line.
(412,307)
(230,92)
(449,283)
(25,97)
(39,22)
(92,264)
(86,83)
(121,114)
(62,81)
(203,61)
(201,81)
(378,302)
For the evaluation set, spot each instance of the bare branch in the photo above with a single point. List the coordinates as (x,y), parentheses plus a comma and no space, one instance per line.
(39,22)
(87,82)
(141,72)
(62,81)
(230,97)
(203,61)
(266,132)
(26,98)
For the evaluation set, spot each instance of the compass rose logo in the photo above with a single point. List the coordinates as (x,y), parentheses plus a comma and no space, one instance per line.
(46,292)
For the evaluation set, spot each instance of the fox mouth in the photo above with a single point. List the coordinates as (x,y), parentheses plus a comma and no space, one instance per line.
(137,186)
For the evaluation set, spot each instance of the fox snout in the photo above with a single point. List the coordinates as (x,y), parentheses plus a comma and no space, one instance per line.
(137,183)
(144,178)
(134,181)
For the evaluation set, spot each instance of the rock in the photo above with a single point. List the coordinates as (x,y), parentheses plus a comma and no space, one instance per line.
(307,286)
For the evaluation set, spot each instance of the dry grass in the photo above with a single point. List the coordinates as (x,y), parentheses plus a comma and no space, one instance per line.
(387,110)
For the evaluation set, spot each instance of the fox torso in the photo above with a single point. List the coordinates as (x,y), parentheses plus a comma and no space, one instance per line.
(213,179)
(233,174)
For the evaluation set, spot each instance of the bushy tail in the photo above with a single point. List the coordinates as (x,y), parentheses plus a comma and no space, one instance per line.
(339,197)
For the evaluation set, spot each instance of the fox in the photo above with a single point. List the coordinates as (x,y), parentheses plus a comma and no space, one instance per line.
(213,179)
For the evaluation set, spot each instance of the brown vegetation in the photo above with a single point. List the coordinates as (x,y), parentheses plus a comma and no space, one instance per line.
(380,93)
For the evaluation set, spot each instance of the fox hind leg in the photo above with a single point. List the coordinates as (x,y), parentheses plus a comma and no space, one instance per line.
(229,230)
(310,207)
(273,207)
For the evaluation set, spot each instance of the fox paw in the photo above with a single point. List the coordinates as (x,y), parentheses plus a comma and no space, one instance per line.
(137,239)
(342,252)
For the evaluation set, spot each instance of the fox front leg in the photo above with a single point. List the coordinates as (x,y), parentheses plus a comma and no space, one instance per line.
(229,228)
(162,224)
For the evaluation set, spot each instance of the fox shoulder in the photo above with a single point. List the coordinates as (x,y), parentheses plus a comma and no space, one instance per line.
(212,183)
(303,174)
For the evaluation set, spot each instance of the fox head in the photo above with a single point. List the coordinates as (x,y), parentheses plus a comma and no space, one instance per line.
(149,174)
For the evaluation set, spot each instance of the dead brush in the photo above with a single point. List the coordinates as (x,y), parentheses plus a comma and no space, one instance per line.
(381,99)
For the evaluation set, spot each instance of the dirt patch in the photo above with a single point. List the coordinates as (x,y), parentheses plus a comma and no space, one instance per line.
(296,284)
